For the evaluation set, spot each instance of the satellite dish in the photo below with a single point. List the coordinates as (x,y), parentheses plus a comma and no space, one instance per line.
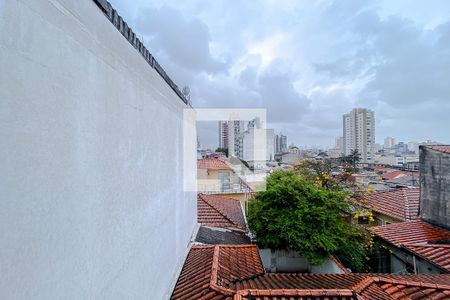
(186,90)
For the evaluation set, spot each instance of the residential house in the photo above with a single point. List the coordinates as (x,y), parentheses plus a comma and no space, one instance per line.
(413,247)
(236,272)
(215,176)
(218,177)
(221,220)
(435,184)
(421,245)
(391,206)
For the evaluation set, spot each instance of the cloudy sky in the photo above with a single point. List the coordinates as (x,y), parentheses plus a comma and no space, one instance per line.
(308,62)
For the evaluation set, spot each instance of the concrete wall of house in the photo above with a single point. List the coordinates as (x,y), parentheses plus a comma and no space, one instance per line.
(275,260)
(400,261)
(403,261)
(91,163)
(208,180)
(435,186)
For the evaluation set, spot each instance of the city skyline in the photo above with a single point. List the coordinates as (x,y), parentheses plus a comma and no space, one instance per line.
(280,57)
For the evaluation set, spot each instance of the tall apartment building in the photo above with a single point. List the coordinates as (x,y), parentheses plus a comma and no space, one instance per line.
(235,131)
(339,143)
(223,134)
(280,143)
(254,152)
(389,142)
(359,133)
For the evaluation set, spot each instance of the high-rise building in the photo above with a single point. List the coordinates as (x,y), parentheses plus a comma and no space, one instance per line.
(223,134)
(339,143)
(254,151)
(359,133)
(280,142)
(389,142)
(235,131)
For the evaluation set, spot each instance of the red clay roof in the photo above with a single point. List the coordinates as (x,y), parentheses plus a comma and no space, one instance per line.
(343,286)
(381,287)
(438,254)
(416,231)
(401,204)
(235,272)
(222,212)
(212,163)
(209,269)
(441,148)
(397,174)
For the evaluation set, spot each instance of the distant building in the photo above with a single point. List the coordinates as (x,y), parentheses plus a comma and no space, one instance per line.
(413,147)
(389,142)
(359,133)
(235,131)
(223,134)
(250,149)
(280,143)
(339,143)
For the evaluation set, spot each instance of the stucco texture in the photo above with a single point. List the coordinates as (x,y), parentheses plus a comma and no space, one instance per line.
(91,160)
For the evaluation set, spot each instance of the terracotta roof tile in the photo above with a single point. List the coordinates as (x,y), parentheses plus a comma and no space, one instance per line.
(212,163)
(401,204)
(403,288)
(398,174)
(212,236)
(416,231)
(208,270)
(437,254)
(440,148)
(222,212)
(235,272)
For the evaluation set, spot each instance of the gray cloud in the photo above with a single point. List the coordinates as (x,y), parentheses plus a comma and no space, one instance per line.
(185,42)
(332,56)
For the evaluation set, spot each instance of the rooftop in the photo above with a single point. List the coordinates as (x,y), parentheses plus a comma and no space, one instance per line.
(212,236)
(222,212)
(401,204)
(212,164)
(208,270)
(438,254)
(236,272)
(416,231)
(397,174)
(440,148)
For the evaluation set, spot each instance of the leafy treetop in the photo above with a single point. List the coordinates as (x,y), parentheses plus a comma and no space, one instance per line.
(294,213)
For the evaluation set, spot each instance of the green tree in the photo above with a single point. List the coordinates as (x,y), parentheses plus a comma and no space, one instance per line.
(294,213)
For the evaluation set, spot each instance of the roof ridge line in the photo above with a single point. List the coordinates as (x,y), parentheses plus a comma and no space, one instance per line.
(292,292)
(411,283)
(407,213)
(222,213)
(215,276)
(362,284)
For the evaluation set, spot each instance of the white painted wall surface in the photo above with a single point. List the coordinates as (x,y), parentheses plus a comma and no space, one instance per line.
(91,189)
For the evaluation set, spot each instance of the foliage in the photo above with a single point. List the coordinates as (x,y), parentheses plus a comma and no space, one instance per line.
(223,150)
(353,159)
(294,213)
(318,172)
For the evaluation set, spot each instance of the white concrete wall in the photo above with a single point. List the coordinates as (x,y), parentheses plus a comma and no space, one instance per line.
(91,188)
(282,261)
